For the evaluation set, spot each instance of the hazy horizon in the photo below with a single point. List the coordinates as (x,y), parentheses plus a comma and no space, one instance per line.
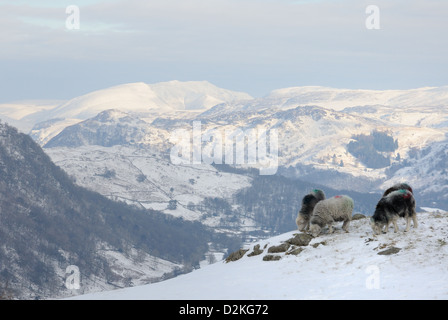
(252,46)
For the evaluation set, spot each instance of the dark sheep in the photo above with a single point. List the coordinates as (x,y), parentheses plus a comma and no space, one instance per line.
(396,204)
(308,203)
(398,186)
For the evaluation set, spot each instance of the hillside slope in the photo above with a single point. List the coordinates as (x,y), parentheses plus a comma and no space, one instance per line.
(354,265)
(48,223)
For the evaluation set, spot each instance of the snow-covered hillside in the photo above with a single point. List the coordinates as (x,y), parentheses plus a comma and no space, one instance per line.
(141,97)
(152,100)
(312,140)
(339,99)
(427,171)
(178,99)
(354,265)
(147,178)
(309,138)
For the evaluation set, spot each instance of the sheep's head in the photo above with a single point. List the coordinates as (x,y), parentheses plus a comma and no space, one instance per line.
(315,230)
(302,222)
(377,226)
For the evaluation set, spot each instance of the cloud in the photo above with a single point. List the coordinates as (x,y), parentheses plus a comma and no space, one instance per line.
(314,42)
(216,30)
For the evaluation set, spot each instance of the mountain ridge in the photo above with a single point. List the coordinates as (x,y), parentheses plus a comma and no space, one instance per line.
(142,97)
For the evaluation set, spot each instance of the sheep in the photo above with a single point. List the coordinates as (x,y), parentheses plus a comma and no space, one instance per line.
(399,203)
(398,186)
(308,203)
(326,212)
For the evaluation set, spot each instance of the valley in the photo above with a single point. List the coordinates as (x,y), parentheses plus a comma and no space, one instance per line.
(118,142)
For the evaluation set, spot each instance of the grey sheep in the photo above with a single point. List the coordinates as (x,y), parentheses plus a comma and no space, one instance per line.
(326,212)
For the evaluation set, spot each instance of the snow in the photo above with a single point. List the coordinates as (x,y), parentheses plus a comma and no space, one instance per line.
(162,97)
(22,114)
(162,181)
(140,267)
(333,266)
(417,117)
(339,99)
(433,210)
(20,109)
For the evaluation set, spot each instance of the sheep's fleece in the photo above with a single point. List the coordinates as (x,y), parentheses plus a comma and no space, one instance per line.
(326,212)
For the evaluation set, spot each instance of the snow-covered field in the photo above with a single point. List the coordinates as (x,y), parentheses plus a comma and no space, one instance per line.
(333,266)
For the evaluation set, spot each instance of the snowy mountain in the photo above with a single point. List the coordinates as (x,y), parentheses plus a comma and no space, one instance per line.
(339,99)
(25,114)
(312,141)
(151,100)
(161,97)
(108,128)
(426,169)
(355,265)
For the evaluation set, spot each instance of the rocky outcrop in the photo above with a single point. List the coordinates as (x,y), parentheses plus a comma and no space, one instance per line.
(292,246)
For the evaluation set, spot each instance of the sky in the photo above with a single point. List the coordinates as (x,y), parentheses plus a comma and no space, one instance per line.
(47,51)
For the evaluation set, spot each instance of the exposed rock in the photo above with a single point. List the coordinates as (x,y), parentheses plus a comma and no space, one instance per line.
(271,257)
(391,250)
(295,251)
(315,245)
(280,248)
(256,251)
(234,256)
(300,239)
(358,216)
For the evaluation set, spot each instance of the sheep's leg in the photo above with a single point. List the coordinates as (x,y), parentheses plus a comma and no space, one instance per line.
(408,223)
(330,228)
(394,221)
(414,219)
(345,225)
(387,226)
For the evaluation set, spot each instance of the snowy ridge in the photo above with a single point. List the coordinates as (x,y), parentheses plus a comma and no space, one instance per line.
(24,114)
(141,97)
(354,265)
(193,96)
(339,99)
